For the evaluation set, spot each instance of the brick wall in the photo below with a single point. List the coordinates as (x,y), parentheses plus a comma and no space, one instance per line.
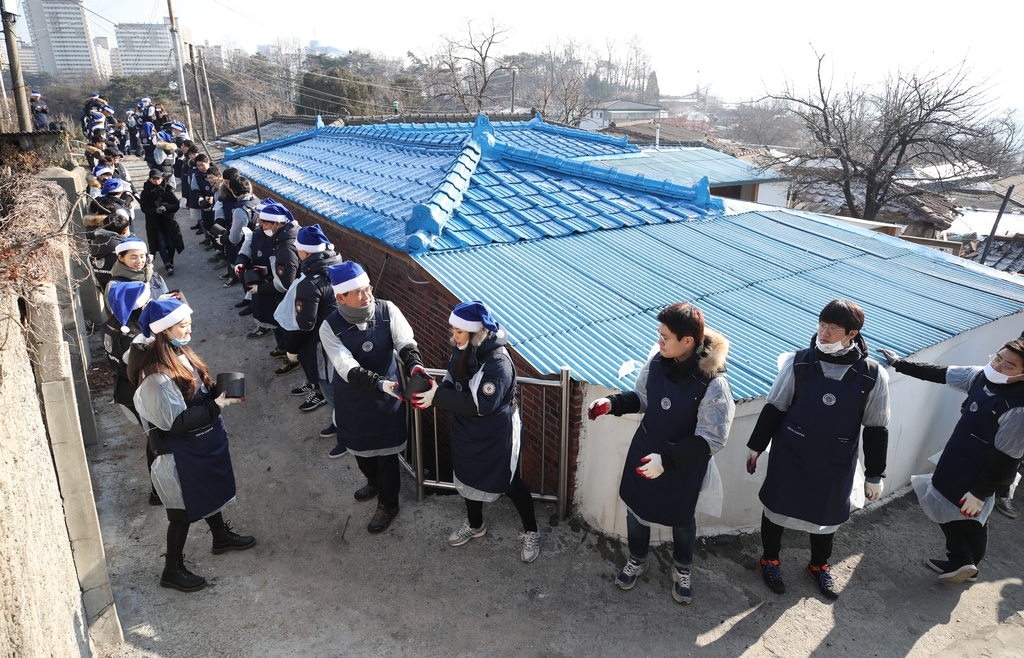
(427,304)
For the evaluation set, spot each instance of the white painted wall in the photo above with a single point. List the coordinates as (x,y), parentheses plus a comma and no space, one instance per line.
(923,416)
(773,194)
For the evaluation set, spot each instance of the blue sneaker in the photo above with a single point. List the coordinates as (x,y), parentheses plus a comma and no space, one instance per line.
(337,451)
(329,432)
(772,575)
(630,572)
(681,591)
(823,576)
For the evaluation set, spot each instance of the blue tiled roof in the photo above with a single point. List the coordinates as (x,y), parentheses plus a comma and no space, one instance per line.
(687,166)
(590,300)
(451,186)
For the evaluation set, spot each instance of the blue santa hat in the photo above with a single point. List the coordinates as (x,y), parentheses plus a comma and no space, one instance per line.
(147,128)
(100,170)
(145,100)
(164,136)
(177,125)
(129,112)
(124,297)
(94,96)
(140,105)
(273,211)
(311,239)
(96,116)
(35,92)
(131,243)
(162,314)
(112,186)
(472,316)
(107,108)
(346,277)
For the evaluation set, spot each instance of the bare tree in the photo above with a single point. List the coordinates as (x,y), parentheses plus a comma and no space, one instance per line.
(464,68)
(765,122)
(865,140)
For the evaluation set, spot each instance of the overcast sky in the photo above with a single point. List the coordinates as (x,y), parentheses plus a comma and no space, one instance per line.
(738,48)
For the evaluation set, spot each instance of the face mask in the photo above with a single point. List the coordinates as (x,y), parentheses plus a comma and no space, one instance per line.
(994,375)
(829,348)
(268,232)
(177,342)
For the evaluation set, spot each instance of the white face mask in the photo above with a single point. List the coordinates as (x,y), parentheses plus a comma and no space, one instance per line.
(994,375)
(829,348)
(268,232)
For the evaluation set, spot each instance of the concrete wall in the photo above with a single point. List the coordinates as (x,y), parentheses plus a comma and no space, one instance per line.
(41,609)
(923,416)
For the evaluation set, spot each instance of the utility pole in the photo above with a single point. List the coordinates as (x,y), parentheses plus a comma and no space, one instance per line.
(209,100)
(18,82)
(513,90)
(995,225)
(175,35)
(199,97)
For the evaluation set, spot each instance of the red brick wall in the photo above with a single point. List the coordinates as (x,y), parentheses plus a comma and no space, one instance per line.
(427,306)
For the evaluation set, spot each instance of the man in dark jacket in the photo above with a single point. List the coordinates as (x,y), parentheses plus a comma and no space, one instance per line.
(314,301)
(159,204)
(101,248)
(40,113)
(271,252)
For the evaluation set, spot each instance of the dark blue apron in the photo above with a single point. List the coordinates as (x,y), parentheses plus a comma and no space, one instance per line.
(368,420)
(264,303)
(482,445)
(971,447)
(814,454)
(203,463)
(671,415)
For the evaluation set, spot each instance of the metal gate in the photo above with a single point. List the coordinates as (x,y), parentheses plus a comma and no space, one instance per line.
(429,427)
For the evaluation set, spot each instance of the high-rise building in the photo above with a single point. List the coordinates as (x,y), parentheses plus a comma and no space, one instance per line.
(147,47)
(101,45)
(115,62)
(61,36)
(26,55)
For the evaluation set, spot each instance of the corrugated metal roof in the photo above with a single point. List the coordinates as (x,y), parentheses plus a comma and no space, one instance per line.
(590,300)
(687,166)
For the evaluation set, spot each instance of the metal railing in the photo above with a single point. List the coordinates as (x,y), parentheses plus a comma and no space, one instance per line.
(413,457)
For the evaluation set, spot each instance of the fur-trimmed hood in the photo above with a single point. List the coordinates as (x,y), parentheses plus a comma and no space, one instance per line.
(715,353)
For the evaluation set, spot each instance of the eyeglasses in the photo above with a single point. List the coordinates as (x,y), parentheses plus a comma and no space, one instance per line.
(997,361)
(830,328)
(361,292)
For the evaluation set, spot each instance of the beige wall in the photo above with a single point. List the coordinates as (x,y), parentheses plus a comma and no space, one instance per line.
(41,610)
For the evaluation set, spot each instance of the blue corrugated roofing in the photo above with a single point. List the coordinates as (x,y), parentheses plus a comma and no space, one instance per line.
(687,166)
(590,300)
(577,259)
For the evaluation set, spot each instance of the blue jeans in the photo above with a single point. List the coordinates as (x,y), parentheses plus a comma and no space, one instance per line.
(639,537)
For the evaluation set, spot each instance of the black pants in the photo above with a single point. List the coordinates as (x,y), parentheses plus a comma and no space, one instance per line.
(177,533)
(520,497)
(966,541)
(771,541)
(382,473)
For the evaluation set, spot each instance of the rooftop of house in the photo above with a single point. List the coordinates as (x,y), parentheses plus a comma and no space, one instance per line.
(577,259)
(687,165)
(646,131)
(621,105)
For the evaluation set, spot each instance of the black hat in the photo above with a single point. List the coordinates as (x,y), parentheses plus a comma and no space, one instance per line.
(156,173)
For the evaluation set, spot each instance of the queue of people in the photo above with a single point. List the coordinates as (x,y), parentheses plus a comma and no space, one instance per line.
(829,402)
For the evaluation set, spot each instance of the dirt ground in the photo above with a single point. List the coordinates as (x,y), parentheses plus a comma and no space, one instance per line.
(317,584)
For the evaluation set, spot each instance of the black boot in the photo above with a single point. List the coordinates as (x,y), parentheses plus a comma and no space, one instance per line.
(178,577)
(224,539)
(154,497)
(382,518)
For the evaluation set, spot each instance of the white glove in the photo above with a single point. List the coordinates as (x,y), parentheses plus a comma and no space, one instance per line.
(426,398)
(291,357)
(890,356)
(389,388)
(873,491)
(652,467)
(752,456)
(252,290)
(971,505)
(598,408)
(223,400)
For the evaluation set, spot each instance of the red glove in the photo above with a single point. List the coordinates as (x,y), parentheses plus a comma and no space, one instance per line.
(421,370)
(599,407)
(262,269)
(238,270)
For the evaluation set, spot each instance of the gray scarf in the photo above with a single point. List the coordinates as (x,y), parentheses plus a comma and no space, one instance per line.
(357,315)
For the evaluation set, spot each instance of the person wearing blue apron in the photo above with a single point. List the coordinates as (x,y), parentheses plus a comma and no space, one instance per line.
(479,390)
(271,251)
(980,457)
(812,418)
(192,470)
(687,409)
(361,339)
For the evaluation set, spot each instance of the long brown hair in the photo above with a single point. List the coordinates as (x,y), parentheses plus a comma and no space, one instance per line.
(161,356)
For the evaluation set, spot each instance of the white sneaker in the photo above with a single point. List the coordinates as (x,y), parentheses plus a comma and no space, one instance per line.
(531,546)
(465,533)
